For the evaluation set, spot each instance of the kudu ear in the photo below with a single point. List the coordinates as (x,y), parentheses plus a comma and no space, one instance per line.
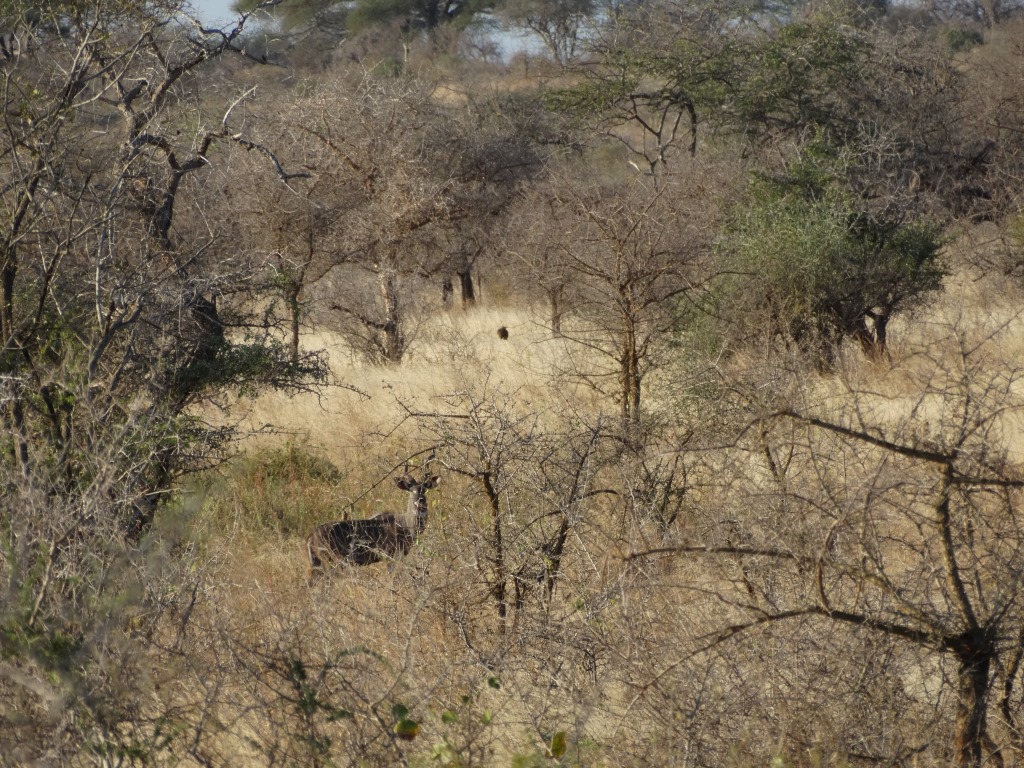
(407,483)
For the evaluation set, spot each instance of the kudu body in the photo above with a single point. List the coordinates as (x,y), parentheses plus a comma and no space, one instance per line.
(383,536)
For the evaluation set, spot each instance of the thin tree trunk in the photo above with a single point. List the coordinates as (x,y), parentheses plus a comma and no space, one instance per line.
(394,337)
(294,310)
(629,373)
(553,552)
(468,290)
(1006,697)
(14,415)
(974,648)
(447,291)
(555,303)
(881,335)
(972,694)
(499,585)
(7,276)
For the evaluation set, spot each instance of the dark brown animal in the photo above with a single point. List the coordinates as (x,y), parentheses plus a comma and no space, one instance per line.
(382,537)
(503,333)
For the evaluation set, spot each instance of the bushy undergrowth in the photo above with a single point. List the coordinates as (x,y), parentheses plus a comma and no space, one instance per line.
(285,490)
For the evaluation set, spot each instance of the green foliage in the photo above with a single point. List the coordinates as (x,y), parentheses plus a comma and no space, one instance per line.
(321,705)
(595,97)
(374,12)
(775,86)
(388,67)
(819,264)
(556,745)
(959,39)
(554,751)
(106,353)
(77,630)
(1012,261)
(795,77)
(464,730)
(405,727)
(297,466)
(123,649)
(1016,229)
(757,84)
(248,366)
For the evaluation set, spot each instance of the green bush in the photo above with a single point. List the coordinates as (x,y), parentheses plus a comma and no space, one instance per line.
(960,39)
(816,264)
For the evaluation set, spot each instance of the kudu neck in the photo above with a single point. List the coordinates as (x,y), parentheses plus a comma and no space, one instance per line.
(415,518)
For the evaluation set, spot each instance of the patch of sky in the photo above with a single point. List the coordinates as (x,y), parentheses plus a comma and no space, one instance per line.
(215,12)
(507,40)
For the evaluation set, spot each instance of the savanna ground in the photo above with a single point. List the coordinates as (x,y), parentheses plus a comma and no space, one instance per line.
(643,652)
(741,486)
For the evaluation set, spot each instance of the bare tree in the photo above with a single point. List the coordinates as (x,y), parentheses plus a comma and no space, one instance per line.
(561,24)
(530,244)
(404,171)
(987,12)
(533,475)
(635,258)
(116,321)
(839,520)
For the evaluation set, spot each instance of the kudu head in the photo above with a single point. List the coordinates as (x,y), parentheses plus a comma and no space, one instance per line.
(416,512)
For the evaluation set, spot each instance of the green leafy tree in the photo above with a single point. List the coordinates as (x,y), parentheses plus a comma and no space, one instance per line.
(665,77)
(666,83)
(820,264)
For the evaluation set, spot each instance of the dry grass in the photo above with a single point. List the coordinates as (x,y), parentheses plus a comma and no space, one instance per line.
(968,340)
(456,352)
(428,617)
(610,661)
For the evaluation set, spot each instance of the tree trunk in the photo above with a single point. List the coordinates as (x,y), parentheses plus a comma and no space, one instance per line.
(553,551)
(466,287)
(881,334)
(975,658)
(294,311)
(14,416)
(1006,707)
(7,276)
(630,377)
(555,303)
(499,584)
(394,336)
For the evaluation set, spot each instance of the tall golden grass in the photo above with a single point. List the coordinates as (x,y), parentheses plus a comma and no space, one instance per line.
(486,692)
